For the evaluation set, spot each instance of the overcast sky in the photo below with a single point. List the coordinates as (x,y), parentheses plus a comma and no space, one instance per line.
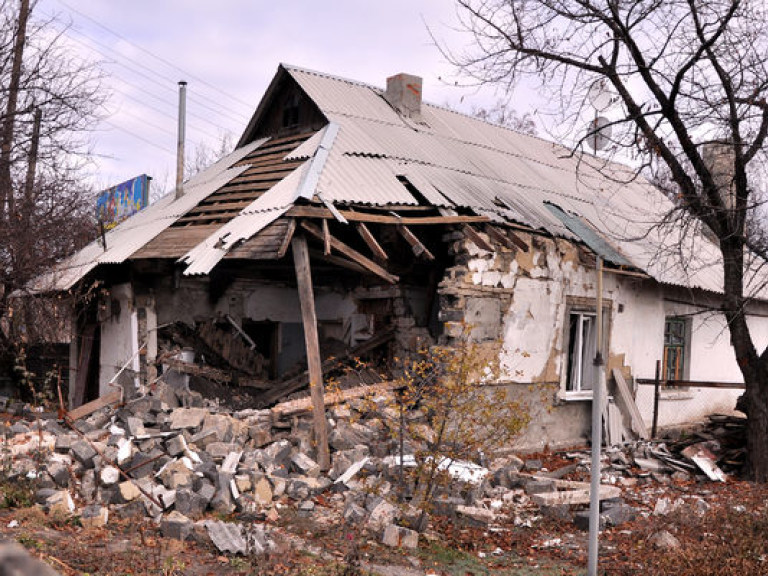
(228,52)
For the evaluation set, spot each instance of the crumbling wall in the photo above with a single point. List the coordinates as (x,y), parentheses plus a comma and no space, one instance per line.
(522,298)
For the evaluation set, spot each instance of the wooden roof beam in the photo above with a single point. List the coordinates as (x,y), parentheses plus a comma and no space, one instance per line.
(416,245)
(371,241)
(478,240)
(317,212)
(351,253)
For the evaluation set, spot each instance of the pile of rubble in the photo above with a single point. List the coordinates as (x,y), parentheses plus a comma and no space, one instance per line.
(175,457)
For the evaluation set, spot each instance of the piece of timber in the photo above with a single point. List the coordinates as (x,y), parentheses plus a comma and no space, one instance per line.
(312,341)
(112,397)
(352,254)
(478,240)
(337,261)
(499,236)
(326,238)
(315,212)
(578,496)
(416,245)
(305,404)
(288,237)
(286,387)
(626,396)
(371,241)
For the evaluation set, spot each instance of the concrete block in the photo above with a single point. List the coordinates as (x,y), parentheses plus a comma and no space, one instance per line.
(304,465)
(184,418)
(190,503)
(400,537)
(83,452)
(175,525)
(94,516)
(109,475)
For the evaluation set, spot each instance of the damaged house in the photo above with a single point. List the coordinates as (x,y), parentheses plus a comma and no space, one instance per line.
(376,223)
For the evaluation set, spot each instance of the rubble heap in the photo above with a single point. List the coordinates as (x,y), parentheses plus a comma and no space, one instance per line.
(174,457)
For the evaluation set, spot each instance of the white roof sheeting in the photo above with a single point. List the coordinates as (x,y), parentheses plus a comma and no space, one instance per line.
(133,233)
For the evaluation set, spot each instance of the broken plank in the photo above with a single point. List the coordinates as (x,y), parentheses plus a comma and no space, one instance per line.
(326,238)
(371,241)
(416,245)
(112,397)
(352,254)
(499,236)
(571,497)
(317,212)
(478,240)
(305,404)
(626,396)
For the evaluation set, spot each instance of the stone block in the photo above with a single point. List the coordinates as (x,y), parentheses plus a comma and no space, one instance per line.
(176,445)
(175,525)
(382,514)
(475,516)
(190,503)
(94,516)
(185,418)
(129,491)
(109,475)
(83,452)
(400,537)
(304,465)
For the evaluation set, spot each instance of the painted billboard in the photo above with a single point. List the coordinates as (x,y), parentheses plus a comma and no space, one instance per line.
(122,201)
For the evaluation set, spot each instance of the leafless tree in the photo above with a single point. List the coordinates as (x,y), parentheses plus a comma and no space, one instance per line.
(691,79)
(503,114)
(48,99)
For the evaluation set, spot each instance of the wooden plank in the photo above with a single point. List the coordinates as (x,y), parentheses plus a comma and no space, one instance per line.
(416,245)
(370,240)
(112,397)
(352,254)
(499,236)
(309,322)
(288,237)
(691,383)
(572,497)
(478,240)
(305,404)
(338,261)
(626,396)
(326,238)
(316,212)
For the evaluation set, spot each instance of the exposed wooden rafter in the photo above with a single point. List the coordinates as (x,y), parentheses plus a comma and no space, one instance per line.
(351,253)
(478,240)
(316,212)
(416,245)
(371,241)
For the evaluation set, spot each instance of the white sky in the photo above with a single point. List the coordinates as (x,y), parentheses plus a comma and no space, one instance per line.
(228,52)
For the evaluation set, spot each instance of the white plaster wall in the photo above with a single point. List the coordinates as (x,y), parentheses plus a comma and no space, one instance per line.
(533,335)
(118,337)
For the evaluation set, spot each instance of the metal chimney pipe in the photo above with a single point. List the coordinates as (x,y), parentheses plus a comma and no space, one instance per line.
(180,142)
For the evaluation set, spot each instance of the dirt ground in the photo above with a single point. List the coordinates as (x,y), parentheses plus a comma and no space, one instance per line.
(724,537)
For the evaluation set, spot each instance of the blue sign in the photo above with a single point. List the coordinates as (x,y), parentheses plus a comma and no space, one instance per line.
(122,201)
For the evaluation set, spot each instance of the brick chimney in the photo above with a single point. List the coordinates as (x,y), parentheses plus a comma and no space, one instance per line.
(404,94)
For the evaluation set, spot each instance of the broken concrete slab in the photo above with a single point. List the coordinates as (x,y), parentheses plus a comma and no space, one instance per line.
(182,418)
(400,537)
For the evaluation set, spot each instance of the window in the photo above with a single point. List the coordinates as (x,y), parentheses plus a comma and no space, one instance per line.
(675,345)
(582,335)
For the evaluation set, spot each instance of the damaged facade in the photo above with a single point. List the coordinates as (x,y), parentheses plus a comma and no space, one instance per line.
(417,221)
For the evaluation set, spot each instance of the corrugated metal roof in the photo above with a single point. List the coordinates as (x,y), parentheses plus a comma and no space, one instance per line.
(254,218)
(135,232)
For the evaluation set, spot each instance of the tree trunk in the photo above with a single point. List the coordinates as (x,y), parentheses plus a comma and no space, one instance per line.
(752,367)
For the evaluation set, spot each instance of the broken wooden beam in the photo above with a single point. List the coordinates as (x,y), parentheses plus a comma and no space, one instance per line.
(499,237)
(112,397)
(317,212)
(352,254)
(478,240)
(305,404)
(416,245)
(370,240)
(326,238)
(288,237)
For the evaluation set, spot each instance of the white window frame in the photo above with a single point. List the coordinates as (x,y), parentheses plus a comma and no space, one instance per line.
(583,308)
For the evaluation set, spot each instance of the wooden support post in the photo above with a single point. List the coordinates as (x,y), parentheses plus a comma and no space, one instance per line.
(309,321)
(656,383)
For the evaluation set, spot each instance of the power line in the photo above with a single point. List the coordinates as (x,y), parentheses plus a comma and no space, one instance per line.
(160,58)
(143,74)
